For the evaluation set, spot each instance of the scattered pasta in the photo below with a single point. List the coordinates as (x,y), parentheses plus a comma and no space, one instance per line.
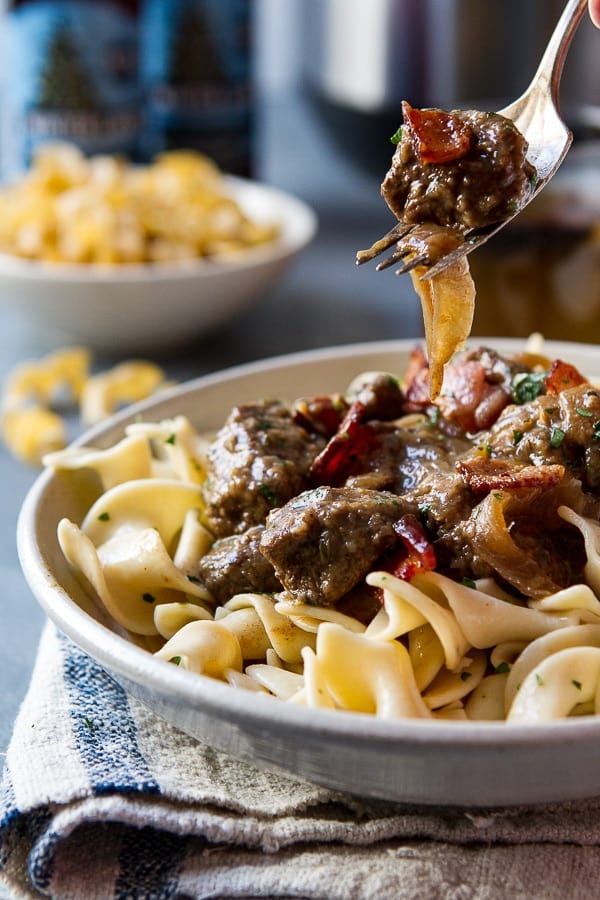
(103,210)
(125,383)
(36,393)
(354,590)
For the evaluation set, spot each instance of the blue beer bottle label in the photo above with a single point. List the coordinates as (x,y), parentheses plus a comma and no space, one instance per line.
(71,73)
(197,77)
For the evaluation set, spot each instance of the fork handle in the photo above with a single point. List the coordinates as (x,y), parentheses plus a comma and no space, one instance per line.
(553,60)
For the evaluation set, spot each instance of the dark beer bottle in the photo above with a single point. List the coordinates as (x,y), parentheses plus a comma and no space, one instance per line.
(197,78)
(71,73)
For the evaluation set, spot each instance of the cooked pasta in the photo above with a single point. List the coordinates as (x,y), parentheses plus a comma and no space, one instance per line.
(371,552)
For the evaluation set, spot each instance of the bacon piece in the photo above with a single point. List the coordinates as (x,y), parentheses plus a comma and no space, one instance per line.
(438,136)
(416,553)
(471,398)
(416,380)
(484,475)
(477,387)
(342,455)
(320,414)
(562,376)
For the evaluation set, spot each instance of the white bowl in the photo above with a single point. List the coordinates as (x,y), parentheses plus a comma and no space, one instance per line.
(154,306)
(433,762)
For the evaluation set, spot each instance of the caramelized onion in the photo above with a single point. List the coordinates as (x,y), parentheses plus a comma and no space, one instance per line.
(489,533)
(448,304)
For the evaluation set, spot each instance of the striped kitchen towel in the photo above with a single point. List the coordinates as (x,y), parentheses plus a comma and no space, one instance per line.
(102,799)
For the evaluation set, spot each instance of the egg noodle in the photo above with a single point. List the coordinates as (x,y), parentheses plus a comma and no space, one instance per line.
(435,647)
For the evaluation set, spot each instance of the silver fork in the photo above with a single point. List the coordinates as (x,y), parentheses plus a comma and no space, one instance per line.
(536,115)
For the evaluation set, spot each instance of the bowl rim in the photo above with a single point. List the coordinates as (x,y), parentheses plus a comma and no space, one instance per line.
(298,222)
(215,698)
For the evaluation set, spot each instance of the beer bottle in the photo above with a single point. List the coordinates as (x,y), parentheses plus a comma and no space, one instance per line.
(197,78)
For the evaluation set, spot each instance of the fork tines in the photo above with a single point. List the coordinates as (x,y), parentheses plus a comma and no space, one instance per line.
(411,263)
(383,244)
(404,249)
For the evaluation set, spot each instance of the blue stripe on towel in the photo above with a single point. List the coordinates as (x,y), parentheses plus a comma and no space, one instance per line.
(8,802)
(107,745)
(43,844)
(149,865)
(9,814)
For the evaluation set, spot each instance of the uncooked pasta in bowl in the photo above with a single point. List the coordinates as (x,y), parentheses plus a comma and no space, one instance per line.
(125,257)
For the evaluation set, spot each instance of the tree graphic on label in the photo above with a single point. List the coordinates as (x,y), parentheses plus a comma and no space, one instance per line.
(194,57)
(65,82)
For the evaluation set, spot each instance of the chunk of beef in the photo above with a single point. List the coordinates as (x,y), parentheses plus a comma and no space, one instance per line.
(445,501)
(525,550)
(466,183)
(561,429)
(323,542)
(258,460)
(234,565)
(404,456)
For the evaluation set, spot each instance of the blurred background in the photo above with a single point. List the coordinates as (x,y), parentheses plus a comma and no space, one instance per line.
(304,96)
(315,93)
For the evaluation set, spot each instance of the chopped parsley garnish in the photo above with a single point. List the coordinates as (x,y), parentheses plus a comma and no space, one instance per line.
(468,582)
(557,436)
(498,495)
(434,416)
(193,578)
(104,517)
(576,683)
(517,436)
(176,660)
(267,493)
(526,386)
(502,668)
(171,439)
(596,430)
(583,412)
(148,598)
(464,676)
(397,136)
(539,680)
(88,723)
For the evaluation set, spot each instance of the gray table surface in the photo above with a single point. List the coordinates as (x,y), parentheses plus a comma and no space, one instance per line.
(323,300)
